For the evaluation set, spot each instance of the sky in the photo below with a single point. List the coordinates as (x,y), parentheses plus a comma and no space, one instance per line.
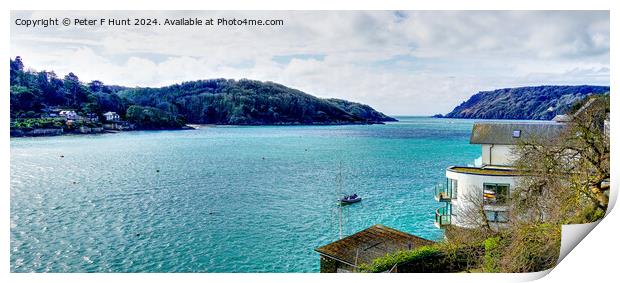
(398,62)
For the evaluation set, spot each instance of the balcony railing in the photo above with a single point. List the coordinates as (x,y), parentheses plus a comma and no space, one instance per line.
(442,193)
(442,217)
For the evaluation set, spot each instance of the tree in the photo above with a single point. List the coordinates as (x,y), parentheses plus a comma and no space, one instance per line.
(25,99)
(76,92)
(568,183)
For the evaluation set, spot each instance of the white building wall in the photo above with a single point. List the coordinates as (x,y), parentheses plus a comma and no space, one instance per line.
(470,188)
(498,154)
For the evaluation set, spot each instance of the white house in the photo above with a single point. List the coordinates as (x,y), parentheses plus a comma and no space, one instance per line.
(111,116)
(487,185)
(69,114)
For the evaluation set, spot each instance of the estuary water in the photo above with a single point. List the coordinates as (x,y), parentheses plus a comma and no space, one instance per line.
(222,199)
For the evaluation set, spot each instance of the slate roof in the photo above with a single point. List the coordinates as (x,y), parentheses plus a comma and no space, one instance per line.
(502,132)
(371,243)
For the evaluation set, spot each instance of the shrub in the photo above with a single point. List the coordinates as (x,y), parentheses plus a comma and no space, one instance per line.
(492,254)
(388,261)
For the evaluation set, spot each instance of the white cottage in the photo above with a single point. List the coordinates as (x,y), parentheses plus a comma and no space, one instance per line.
(489,183)
(111,116)
(69,114)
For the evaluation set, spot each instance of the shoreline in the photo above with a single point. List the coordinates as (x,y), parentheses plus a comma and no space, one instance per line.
(72,133)
(185,127)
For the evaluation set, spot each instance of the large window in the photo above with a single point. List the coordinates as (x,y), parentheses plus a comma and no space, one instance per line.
(495,194)
(451,185)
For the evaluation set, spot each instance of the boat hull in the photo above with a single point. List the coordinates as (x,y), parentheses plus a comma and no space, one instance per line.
(350,201)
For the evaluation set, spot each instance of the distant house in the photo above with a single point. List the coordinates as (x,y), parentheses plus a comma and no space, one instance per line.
(111,116)
(92,117)
(69,114)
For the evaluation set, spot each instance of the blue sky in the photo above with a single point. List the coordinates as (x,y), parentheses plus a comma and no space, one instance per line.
(401,63)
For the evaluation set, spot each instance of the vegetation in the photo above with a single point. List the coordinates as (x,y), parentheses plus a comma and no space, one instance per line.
(152,118)
(390,260)
(34,123)
(570,182)
(218,101)
(440,257)
(492,254)
(524,103)
(247,102)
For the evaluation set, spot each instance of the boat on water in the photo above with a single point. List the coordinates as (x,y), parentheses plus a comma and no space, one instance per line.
(350,199)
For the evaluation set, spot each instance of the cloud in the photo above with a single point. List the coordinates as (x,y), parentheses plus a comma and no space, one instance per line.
(412,62)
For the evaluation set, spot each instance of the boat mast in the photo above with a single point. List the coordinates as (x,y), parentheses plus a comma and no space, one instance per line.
(340,226)
(340,204)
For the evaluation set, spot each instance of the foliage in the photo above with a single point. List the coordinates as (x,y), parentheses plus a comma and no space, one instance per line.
(567,183)
(247,102)
(531,248)
(525,103)
(387,261)
(34,123)
(492,254)
(439,257)
(150,117)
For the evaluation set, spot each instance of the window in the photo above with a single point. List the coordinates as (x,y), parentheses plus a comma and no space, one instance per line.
(495,194)
(516,134)
(452,185)
(496,216)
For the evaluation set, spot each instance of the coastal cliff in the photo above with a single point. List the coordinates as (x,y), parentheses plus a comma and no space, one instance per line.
(524,103)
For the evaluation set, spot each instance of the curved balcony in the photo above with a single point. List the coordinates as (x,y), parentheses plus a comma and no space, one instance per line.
(442,217)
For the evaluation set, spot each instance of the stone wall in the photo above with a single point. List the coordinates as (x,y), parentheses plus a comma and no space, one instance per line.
(88,130)
(36,132)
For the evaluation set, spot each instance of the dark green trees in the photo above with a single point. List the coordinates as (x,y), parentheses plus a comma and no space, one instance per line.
(217,101)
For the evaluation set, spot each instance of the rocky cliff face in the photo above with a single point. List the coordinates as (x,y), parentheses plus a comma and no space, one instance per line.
(524,103)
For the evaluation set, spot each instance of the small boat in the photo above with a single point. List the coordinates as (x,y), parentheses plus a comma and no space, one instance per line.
(350,199)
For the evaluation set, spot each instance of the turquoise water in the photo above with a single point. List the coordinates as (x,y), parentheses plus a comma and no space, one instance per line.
(221,199)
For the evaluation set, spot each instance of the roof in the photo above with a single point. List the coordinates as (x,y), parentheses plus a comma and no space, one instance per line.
(487,171)
(503,132)
(110,113)
(370,243)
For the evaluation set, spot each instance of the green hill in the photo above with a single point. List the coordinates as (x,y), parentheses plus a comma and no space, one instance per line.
(524,103)
(215,101)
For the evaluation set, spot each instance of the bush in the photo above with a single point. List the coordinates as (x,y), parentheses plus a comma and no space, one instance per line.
(38,123)
(388,261)
(532,248)
(492,254)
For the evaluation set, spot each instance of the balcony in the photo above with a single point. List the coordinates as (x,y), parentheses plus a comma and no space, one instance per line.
(443,194)
(442,217)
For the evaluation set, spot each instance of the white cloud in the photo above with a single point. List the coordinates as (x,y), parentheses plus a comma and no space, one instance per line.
(412,63)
